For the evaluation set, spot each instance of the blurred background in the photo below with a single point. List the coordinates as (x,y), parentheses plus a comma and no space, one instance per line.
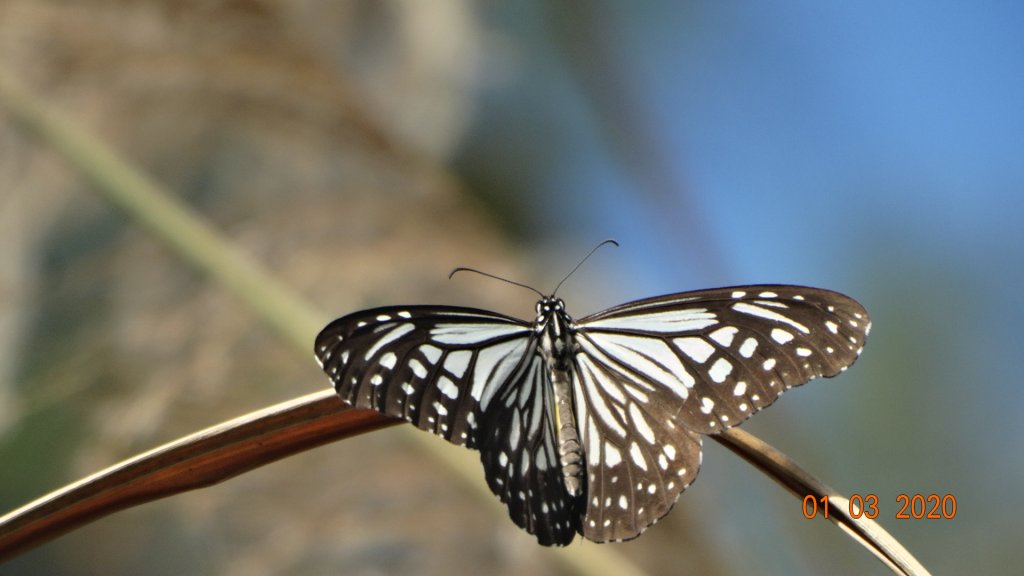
(361,150)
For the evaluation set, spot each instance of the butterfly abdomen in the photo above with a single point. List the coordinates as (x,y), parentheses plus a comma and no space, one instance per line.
(570,454)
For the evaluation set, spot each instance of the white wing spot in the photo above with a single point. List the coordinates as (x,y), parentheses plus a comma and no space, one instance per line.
(720,370)
(755,397)
(388,360)
(390,336)
(417,368)
(740,389)
(781,336)
(651,489)
(768,295)
(672,321)
(832,326)
(637,456)
(748,347)
(513,434)
(744,406)
(768,364)
(801,351)
(739,294)
(760,312)
(696,348)
(724,335)
(440,409)
(640,423)
(662,462)
(447,387)
(612,455)
(432,353)
(457,362)
(669,451)
(623,503)
(408,389)
(383,318)
(473,334)
(707,405)
(376,380)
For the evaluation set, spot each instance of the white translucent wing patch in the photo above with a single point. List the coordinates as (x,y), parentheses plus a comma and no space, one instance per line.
(436,367)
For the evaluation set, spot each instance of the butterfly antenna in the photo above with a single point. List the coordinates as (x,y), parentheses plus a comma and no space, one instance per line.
(589,254)
(513,282)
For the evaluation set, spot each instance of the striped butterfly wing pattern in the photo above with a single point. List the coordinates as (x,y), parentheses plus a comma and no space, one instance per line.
(655,374)
(475,378)
(648,378)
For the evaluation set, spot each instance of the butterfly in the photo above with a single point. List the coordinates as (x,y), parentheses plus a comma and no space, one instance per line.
(591,426)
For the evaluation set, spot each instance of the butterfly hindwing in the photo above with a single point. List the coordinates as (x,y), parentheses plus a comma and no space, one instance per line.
(436,367)
(638,456)
(520,458)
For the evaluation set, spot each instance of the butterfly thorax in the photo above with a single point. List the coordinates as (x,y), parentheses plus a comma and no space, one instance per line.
(557,347)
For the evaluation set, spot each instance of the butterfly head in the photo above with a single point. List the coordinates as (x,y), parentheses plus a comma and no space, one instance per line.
(549,306)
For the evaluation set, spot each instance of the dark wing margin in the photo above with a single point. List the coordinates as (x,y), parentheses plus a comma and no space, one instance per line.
(437,367)
(655,374)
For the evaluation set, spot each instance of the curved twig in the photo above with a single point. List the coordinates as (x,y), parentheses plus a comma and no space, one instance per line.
(194,461)
(801,483)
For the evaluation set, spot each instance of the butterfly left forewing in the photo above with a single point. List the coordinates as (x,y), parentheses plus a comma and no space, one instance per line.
(437,367)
